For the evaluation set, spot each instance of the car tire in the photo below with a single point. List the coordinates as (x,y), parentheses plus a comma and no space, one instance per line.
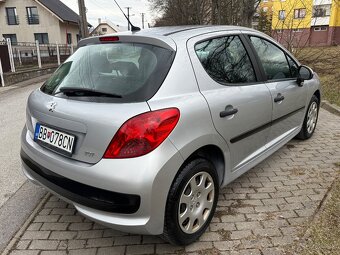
(191,202)
(310,120)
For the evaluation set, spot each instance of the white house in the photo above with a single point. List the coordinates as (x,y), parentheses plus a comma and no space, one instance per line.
(48,21)
(105,27)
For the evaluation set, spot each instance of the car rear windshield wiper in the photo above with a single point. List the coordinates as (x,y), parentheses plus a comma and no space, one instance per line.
(83,92)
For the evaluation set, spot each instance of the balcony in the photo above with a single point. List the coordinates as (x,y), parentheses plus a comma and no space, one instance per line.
(322,2)
(33,19)
(320,21)
(12,20)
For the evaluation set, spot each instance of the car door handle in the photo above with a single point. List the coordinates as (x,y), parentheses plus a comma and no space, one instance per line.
(279,98)
(228,112)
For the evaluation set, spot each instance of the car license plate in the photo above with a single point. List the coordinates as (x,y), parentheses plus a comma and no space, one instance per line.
(54,139)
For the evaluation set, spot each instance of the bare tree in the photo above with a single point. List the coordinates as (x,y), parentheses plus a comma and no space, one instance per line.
(198,12)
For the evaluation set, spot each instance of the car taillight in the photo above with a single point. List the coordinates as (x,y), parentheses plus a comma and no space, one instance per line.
(142,133)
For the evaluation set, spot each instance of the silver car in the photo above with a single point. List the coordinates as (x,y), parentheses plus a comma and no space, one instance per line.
(140,130)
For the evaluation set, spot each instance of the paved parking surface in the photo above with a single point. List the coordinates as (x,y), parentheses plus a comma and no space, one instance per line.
(259,213)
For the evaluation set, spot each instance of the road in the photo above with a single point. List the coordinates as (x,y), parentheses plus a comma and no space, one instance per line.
(18,197)
(12,120)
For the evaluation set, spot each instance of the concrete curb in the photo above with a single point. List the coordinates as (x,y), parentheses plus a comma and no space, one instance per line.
(332,108)
(20,232)
(17,212)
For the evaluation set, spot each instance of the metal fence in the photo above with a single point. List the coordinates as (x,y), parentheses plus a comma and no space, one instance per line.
(24,56)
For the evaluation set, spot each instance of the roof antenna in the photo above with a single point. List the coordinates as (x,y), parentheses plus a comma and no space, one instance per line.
(133,28)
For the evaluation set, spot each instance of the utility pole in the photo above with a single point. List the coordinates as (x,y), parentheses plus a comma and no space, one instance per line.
(83,21)
(128,15)
(143,14)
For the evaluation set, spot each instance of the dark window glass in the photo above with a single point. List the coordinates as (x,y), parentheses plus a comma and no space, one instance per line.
(42,38)
(282,14)
(78,37)
(12,17)
(225,59)
(299,13)
(69,38)
(32,15)
(104,29)
(293,67)
(134,71)
(322,10)
(273,59)
(12,37)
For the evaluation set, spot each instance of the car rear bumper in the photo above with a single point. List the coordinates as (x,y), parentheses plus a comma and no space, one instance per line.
(127,195)
(89,196)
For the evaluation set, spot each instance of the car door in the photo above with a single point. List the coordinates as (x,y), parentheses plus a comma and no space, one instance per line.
(289,99)
(240,103)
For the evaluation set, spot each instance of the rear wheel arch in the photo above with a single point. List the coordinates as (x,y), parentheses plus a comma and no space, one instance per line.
(213,154)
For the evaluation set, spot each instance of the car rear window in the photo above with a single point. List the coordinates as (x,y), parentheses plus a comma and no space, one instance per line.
(132,70)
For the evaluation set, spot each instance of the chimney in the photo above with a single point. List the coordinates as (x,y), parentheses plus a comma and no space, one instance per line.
(99,20)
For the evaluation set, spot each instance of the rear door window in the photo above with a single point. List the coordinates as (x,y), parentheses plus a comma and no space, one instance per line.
(132,70)
(226,60)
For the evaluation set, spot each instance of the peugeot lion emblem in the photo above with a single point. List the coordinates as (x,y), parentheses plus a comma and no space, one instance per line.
(52,106)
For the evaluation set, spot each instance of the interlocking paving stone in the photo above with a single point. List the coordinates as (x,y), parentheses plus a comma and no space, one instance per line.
(259,213)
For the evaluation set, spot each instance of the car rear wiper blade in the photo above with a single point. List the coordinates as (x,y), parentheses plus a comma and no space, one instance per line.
(80,92)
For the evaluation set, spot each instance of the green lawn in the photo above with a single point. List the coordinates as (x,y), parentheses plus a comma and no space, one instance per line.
(326,62)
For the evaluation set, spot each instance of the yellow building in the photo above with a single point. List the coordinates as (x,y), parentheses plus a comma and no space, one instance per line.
(306,22)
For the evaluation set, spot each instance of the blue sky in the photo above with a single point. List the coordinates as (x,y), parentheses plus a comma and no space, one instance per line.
(106,9)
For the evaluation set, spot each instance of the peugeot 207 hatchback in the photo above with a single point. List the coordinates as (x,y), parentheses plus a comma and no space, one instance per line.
(140,130)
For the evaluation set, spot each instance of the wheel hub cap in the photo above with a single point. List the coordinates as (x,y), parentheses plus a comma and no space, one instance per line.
(196,202)
(312,117)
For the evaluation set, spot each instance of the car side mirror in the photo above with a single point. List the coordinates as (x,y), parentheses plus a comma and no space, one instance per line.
(305,73)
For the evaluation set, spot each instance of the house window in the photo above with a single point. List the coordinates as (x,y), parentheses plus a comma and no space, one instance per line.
(297,30)
(69,38)
(12,17)
(104,29)
(279,30)
(324,28)
(282,14)
(32,15)
(299,13)
(41,37)
(78,38)
(322,10)
(12,37)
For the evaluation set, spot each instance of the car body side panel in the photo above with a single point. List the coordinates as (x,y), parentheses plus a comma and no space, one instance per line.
(195,128)
(254,106)
(291,110)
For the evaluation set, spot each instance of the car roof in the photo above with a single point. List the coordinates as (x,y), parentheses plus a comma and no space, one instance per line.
(167,37)
(185,31)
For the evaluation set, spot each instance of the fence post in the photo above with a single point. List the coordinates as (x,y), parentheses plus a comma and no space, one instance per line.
(58,54)
(11,57)
(38,53)
(19,55)
(2,75)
